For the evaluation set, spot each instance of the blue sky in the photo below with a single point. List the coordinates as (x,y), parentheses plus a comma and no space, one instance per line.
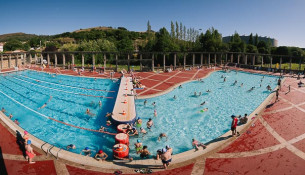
(283,20)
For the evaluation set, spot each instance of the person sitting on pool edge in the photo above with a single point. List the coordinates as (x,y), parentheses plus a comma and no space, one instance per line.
(197,144)
(86,151)
(243,120)
(101,155)
(16,122)
(161,136)
(71,146)
(144,152)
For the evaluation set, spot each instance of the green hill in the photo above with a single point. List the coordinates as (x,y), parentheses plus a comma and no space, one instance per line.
(18,36)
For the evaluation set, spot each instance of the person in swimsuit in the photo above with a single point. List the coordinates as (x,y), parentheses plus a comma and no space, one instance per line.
(139,122)
(161,136)
(101,155)
(169,149)
(86,151)
(145,102)
(43,106)
(3,110)
(234,124)
(10,116)
(143,131)
(166,158)
(197,144)
(150,123)
(29,152)
(202,103)
(71,146)
(138,146)
(100,103)
(144,152)
(89,113)
(16,122)
(155,113)
(26,137)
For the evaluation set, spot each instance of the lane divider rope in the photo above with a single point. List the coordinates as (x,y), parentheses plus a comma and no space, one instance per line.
(60,89)
(65,85)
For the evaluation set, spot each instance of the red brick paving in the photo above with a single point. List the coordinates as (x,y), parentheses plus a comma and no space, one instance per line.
(288,124)
(277,163)
(8,142)
(295,97)
(278,105)
(22,167)
(185,170)
(255,138)
(300,145)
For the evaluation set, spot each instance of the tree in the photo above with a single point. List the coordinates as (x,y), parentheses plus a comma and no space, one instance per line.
(12,45)
(164,43)
(172,30)
(184,33)
(251,49)
(256,40)
(211,41)
(181,31)
(236,44)
(177,30)
(148,27)
(250,39)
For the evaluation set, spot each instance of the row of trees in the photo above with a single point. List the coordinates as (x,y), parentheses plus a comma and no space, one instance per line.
(180,38)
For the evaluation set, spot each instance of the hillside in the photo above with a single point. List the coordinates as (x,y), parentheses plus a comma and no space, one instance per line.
(19,36)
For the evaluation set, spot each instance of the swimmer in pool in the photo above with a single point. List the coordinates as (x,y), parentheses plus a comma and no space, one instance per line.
(108,114)
(155,113)
(174,97)
(241,85)
(10,116)
(200,93)
(3,110)
(86,151)
(204,110)
(195,94)
(154,104)
(89,113)
(150,123)
(102,129)
(208,91)
(100,104)
(180,86)
(161,136)
(100,155)
(43,106)
(143,131)
(235,82)
(71,146)
(145,102)
(202,103)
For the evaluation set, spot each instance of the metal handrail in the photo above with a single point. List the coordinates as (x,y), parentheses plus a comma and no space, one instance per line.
(42,148)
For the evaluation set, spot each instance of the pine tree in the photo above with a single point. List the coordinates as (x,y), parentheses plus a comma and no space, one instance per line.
(250,39)
(148,27)
(172,30)
(181,31)
(177,30)
(256,40)
(184,33)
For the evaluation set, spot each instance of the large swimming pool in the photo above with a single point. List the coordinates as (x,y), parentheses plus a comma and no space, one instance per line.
(181,118)
(24,92)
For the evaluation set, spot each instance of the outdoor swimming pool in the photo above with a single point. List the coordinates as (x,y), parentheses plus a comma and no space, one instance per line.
(68,104)
(181,118)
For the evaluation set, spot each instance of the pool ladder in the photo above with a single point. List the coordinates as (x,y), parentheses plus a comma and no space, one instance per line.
(50,148)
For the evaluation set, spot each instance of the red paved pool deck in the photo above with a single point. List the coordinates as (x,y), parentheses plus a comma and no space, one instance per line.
(274,145)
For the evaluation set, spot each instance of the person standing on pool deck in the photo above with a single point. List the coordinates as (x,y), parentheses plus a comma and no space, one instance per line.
(279,83)
(277,95)
(29,152)
(234,125)
(288,90)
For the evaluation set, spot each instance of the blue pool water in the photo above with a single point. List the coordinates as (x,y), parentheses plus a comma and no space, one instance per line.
(180,119)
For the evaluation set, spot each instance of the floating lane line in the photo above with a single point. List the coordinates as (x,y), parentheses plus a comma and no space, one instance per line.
(50,118)
(60,89)
(65,85)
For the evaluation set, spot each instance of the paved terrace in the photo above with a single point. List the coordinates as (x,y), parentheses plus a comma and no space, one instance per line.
(275,144)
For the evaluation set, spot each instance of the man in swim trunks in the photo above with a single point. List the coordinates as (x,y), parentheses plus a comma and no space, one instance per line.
(144,152)
(234,124)
(29,152)
(71,146)
(143,131)
(100,155)
(138,146)
(166,158)
(150,123)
